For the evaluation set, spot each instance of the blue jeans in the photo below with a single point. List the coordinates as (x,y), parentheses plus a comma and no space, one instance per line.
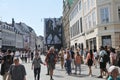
(68,63)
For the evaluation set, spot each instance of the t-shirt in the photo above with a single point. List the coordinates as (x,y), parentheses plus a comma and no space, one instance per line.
(36,62)
(17,72)
(102,53)
(78,59)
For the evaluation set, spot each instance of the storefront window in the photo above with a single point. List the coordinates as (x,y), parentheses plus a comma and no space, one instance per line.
(106,41)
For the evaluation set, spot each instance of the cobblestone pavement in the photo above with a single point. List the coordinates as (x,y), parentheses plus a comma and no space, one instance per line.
(60,74)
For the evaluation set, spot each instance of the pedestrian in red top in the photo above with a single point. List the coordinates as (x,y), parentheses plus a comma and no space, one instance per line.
(78,59)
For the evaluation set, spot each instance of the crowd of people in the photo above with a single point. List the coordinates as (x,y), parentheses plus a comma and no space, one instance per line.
(70,60)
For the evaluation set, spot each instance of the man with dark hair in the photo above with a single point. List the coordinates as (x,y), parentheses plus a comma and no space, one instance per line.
(6,63)
(102,61)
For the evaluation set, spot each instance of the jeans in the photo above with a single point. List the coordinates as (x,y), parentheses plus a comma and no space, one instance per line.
(78,66)
(37,73)
(68,64)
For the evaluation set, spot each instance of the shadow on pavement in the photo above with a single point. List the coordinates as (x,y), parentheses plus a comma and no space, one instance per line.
(60,69)
(81,75)
(58,76)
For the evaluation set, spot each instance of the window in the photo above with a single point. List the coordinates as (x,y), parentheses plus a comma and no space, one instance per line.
(71,31)
(104,15)
(119,12)
(77,27)
(93,3)
(81,27)
(88,1)
(89,21)
(106,40)
(85,7)
(80,5)
(94,18)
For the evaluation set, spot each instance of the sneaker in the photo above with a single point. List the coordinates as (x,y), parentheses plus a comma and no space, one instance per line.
(90,75)
(100,77)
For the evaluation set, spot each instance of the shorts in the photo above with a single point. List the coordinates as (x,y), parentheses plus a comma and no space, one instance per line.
(102,65)
(51,66)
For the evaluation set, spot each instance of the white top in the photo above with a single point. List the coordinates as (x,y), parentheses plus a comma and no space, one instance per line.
(65,57)
(102,53)
(95,54)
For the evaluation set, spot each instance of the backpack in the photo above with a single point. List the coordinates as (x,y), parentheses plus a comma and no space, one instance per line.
(105,58)
(51,58)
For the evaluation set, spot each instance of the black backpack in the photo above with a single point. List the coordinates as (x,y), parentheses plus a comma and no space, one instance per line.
(105,58)
(51,58)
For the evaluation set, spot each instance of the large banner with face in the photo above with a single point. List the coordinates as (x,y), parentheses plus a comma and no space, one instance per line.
(53,31)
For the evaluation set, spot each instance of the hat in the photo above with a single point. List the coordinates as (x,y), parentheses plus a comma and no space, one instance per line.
(111,68)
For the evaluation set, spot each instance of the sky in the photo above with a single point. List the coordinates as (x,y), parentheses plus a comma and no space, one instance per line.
(30,12)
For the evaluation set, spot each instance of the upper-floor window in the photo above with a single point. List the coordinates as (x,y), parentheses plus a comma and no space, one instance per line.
(94,18)
(85,7)
(88,4)
(74,12)
(93,3)
(119,12)
(104,13)
(89,21)
(80,6)
(81,27)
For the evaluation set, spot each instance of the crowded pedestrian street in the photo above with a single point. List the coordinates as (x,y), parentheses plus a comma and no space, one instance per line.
(60,74)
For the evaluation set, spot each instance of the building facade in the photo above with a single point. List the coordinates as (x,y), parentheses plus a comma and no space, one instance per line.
(94,23)
(16,36)
(66,33)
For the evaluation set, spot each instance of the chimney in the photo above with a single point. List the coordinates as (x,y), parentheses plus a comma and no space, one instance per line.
(13,22)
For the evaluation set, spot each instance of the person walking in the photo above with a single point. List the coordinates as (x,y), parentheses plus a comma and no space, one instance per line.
(5,65)
(113,56)
(68,62)
(102,61)
(36,66)
(72,59)
(90,59)
(17,71)
(51,60)
(78,59)
(61,55)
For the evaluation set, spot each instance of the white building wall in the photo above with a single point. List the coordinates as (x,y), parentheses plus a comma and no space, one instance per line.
(19,41)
